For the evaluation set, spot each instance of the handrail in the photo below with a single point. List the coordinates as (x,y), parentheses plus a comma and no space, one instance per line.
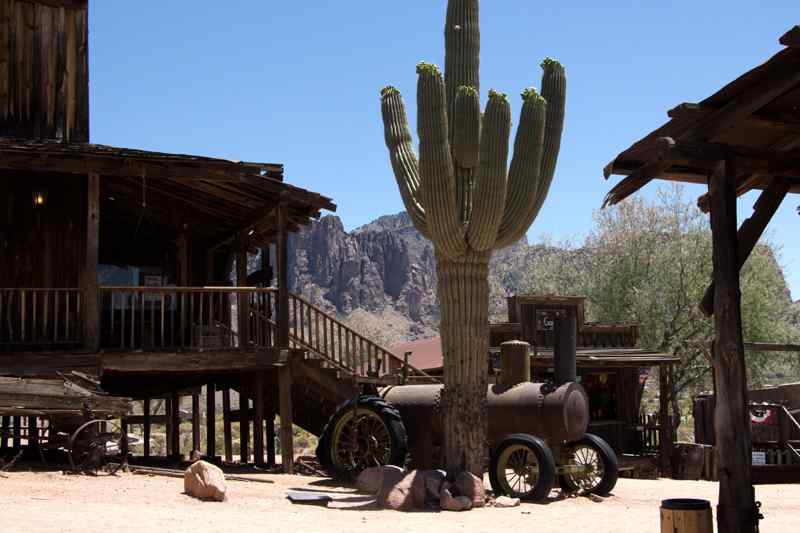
(230,290)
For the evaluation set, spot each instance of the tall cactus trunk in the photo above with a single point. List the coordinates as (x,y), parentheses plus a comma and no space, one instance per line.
(464,301)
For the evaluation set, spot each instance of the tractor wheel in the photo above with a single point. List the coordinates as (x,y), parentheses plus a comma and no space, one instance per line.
(522,466)
(360,436)
(599,461)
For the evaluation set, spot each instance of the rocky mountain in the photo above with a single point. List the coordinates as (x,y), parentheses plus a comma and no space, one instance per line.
(385,268)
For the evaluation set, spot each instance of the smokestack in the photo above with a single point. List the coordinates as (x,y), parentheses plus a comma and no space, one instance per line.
(515,363)
(564,347)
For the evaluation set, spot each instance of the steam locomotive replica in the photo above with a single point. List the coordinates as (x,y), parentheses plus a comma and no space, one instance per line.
(536,431)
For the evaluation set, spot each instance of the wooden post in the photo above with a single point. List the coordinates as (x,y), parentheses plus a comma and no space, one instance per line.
(147,427)
(244,426)
(17,440)
(5,433)
(226,421)
(284,372)
(271,437)
(736,510)
(124,450)
(168,424)
(91,330)
(33,432)
(243,299)
(664,426)
(258,419)
(175,422)
(211,420)
(195,422)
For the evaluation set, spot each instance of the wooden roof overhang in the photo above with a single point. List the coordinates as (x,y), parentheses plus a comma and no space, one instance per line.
(753,122)
(214,199)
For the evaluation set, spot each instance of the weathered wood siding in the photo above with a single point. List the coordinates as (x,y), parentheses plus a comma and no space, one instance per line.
(44,69)
(41,247)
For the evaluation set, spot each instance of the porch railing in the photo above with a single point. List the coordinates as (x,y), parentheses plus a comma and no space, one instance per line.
(175,318)
(40,317)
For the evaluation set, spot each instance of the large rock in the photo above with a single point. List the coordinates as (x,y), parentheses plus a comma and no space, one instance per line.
(469,485)
(449,502)
(395,491)
(505,501)
(426,488)
(371,479)
(205,481)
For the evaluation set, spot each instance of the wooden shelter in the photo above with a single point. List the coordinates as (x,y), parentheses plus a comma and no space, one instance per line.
(134,268)
(744,137)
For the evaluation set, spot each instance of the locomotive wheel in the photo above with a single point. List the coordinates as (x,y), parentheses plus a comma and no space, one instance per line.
(598,463)
(522,466)
(358,437)
(88,446)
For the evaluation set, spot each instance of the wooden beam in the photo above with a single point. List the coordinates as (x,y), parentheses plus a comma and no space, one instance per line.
(736,509)
(89,282)
(643,175)
(258,419)
(17,439)
(664,421)
(243,306)
(287,437)
(769,347)
(751,231)
(195,422)
(226,422)
(183,363)
(244,426)
(791,38)
(282,278)
(175,427)
(744,184)
(5,433)
(211,419)
(147,426)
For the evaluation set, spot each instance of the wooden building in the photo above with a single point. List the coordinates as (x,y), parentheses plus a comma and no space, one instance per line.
(744,137)
(115,265)
(609,366)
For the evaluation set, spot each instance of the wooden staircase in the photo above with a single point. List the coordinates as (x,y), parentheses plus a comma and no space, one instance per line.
(332,362)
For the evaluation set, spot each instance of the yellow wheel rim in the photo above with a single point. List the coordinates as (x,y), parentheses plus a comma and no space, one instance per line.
(518,470)
(360,440)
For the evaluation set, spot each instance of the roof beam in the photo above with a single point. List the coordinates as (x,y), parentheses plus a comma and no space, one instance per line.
(642,176)
(791,38)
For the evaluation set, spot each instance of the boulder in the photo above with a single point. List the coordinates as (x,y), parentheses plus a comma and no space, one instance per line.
(448,502)
(426,488)
(469,485)
(371,479)
(395,490)
(505,501)
(205,481)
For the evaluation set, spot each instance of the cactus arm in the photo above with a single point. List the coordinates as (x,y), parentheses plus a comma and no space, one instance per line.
(490,186)
(462,38)
(524,173)
(467,127)
(401,152)
(528,186)
(435,163)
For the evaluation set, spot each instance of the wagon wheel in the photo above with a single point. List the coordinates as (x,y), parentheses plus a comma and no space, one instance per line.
(591,466)
(522,466)
(88,447)
(361,436)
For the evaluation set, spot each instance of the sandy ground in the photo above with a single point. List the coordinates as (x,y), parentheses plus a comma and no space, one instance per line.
(50,501)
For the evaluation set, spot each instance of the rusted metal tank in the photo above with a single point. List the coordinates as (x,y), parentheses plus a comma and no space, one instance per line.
(554,415)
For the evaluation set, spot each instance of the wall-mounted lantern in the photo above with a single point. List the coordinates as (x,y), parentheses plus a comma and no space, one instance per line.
(39,197)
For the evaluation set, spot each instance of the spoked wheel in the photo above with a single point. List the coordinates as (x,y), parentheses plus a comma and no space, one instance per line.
(88,447)
(361,436)
(522,466)
(591,467)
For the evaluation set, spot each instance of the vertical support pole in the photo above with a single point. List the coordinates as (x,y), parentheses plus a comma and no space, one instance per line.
(124,450)
(168,424)
(243,298)
(17,441)
(211,420)
(271,437)
(226,421)
(175,421)
(564,348)
(5,433)
(33,432)
(664,423)
(736,510)
(196,421)
(258,419)
(182,275)
(147,427)
(284,372)
(244,426)
(91,330)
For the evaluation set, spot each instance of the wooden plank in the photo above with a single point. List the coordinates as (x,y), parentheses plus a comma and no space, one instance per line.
(750,232)
(643,175)
(258,419)
(175,427)
(195,422)
(147,426)
(212,361)
(244,426)
(282,279)
(736,507)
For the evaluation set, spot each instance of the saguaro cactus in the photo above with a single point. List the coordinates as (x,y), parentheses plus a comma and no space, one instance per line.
(462,195)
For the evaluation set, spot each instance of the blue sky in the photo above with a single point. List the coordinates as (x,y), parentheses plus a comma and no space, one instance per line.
(298,83)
